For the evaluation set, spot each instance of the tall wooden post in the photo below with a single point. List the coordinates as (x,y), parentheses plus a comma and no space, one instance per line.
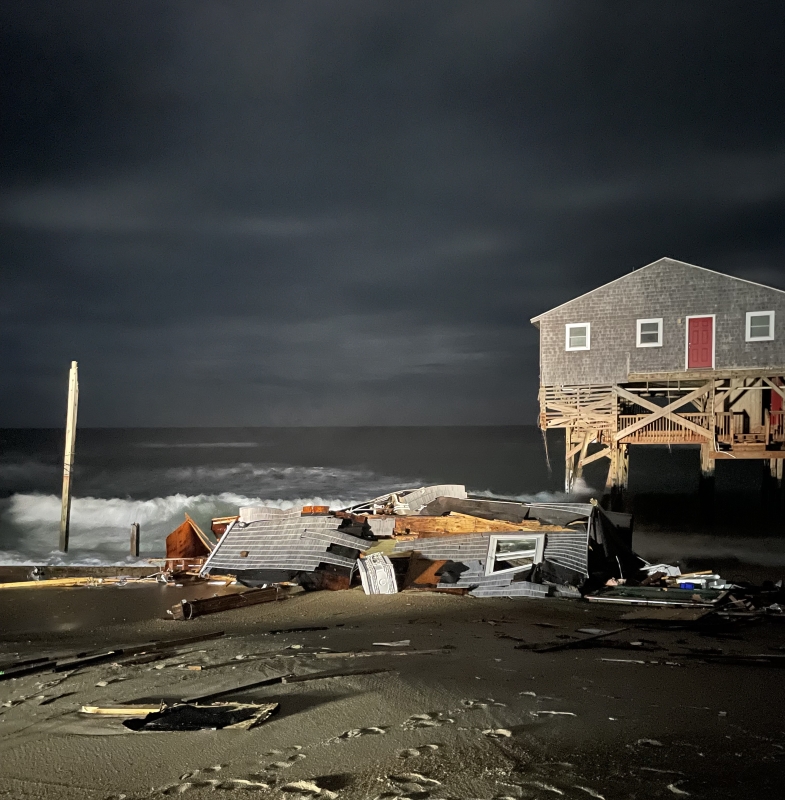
(618,475)
(68,461)
(706,483)
(135,531)
(587,439)
(569,460)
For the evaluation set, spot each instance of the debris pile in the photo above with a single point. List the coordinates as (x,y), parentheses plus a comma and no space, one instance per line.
(437,539)
(434,538)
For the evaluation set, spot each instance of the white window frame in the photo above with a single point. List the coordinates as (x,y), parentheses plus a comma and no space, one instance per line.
(491,559)
(687,340)
(568,327)
(748,326)
(639,323)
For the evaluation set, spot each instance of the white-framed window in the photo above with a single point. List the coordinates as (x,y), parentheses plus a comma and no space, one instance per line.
(760,326)
(578,336)
(514,552)
(649,332)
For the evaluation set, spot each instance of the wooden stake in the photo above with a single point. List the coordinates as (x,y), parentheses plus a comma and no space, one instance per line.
(68,462)
(135,539)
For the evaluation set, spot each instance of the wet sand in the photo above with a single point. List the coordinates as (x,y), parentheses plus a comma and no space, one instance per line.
(475,720)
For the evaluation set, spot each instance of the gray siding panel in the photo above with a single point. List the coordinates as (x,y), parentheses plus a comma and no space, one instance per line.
(569,550)
(294,543)
(671,290)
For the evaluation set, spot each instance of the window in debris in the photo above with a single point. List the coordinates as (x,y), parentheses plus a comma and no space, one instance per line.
(760,326)
(513,553)
(578,336)
(650,332)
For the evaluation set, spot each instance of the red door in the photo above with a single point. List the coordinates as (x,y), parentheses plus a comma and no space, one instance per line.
(700,343)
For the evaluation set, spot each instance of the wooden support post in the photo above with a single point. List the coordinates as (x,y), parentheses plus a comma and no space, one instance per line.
(68,461)
(618,475)
(135,531)
(568,460)
(706,483)
(588,435)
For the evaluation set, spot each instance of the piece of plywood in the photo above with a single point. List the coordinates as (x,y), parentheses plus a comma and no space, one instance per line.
(422,572)
(456,523)
(184,542)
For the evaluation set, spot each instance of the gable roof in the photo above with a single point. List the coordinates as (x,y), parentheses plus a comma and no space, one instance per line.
(658,262)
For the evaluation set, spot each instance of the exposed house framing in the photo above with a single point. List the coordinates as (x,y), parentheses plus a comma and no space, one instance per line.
(729,414)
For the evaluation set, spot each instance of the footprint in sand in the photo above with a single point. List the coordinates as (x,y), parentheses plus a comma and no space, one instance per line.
(230,785)
(307,789)
(355,732)
(433,720)
(412,785)
(497,733)
(472,704)
(413,752)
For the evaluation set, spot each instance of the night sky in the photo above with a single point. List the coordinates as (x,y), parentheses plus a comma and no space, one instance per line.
(345,213)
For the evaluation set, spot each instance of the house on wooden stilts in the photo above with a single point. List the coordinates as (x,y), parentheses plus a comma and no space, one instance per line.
(670,353)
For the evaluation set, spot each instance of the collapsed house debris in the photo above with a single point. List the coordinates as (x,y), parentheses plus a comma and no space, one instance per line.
(438,539)
(442,540)
(187,547)
(275,546)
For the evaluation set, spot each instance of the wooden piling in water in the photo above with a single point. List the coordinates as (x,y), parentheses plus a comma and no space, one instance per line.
(68,460)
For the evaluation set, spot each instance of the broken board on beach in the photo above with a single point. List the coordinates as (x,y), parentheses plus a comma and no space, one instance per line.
(188,609)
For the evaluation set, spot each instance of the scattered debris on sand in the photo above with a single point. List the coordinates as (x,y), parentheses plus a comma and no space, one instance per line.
(437,539)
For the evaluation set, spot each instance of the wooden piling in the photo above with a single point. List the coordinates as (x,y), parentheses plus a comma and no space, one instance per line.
(135,539)
(68,460)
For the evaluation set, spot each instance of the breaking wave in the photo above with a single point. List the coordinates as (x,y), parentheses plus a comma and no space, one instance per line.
(100,528)
(581,493)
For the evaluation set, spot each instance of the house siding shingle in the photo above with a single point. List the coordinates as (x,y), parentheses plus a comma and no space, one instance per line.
(669,289)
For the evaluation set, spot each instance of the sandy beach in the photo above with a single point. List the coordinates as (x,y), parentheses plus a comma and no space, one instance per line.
(472,716)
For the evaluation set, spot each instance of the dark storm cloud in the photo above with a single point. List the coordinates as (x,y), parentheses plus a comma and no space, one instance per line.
(346,212)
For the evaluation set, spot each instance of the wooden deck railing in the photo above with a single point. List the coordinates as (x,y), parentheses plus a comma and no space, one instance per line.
(663,430)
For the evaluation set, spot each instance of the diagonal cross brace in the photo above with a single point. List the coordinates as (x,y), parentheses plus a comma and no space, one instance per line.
(664,411)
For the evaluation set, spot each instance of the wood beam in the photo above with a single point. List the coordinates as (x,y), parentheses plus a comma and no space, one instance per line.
(778,389)
(664,411)
(604,453)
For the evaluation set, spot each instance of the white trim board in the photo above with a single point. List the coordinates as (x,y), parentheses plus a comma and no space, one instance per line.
(535,320)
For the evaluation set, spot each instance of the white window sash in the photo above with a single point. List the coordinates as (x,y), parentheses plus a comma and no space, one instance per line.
(639,332)
(491,559)
(748,328)
(567,330)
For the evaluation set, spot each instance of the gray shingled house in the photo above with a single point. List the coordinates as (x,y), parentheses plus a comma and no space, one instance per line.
(670,353)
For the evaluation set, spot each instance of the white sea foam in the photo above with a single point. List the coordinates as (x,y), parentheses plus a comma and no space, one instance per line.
(100,527)
(581,493)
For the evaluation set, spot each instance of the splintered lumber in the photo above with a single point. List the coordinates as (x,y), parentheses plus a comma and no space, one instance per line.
(371,653)
(61,583)
(243,687)
(122,711)
(455,523)
(577,643)
(188,609)
(31,666)
(187,541)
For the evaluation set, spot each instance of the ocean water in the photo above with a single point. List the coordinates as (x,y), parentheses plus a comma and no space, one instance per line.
(155,476)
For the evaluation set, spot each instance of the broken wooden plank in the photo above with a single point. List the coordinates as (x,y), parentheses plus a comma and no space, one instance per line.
(577,643)
(454,522)
(188,609)
(243,687)
(369,653)
(125,712)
